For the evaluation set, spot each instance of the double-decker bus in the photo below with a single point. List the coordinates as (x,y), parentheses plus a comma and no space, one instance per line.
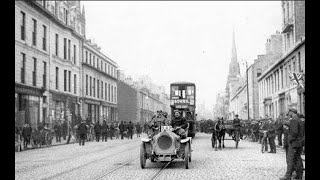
(183,98)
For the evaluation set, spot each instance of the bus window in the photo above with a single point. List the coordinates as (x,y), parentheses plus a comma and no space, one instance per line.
(183,94)
(175,90)
(190,90)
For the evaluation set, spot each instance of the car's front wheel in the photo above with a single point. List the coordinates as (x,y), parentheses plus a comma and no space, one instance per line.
(186,155)
(142,156)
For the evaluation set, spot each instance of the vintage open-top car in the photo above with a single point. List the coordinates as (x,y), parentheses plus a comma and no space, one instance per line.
(165,146)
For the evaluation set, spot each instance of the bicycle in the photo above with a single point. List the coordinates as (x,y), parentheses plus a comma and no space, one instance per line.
(264,138)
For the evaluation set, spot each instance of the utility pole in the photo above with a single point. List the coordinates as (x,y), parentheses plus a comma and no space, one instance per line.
(247,90)
(142,114)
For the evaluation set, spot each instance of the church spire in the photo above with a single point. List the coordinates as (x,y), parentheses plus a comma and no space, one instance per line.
(234,68)
(234,50)
(83,12)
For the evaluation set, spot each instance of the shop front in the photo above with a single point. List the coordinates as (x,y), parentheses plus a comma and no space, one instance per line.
(109,111)
(27,105)
(91,110)
(63,107)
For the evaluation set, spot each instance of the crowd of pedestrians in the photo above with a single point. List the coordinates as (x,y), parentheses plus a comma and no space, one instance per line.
(278,128)
(81,132)
(104,131)
(27,136)
(289,130)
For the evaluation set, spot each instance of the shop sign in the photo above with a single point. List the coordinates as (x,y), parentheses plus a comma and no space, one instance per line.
(27,90)
(181,101)
(89,101)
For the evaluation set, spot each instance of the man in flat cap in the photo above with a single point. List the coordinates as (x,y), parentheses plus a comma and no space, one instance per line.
(295,136)
(179,124)
(82,129)
(236,125)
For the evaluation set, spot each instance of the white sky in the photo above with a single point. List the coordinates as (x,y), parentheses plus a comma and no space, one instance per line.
(182,40)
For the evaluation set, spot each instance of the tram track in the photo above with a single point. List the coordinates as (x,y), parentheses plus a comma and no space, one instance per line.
(160,171)
(153,177)
(34,167)
(114,169)
(86,164)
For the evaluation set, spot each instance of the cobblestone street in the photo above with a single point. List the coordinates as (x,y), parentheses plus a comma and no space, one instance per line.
(96,158)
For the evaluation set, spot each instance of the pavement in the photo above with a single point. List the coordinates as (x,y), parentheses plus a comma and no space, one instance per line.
(55,143)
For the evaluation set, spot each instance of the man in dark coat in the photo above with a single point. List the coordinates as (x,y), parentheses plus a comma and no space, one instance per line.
(57,130)
(285,138)
(302,118)
(82,130)
(112,129)
(122,129)
(264,127)
(179,124)
(125,129)
(260,135)
(64,129)
(130,130)
(295,138)
(26,134)
(104,128)
(256,131)
(138,129)
(97,131)
(272,135)
(236,125)
(279,131)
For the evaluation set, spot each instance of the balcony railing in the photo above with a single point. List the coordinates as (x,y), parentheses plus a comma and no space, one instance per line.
(287,24)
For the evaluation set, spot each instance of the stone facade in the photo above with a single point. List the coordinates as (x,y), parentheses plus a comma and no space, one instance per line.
(50,66)
(276,91)
(273,53)
(99,79)
(36,27)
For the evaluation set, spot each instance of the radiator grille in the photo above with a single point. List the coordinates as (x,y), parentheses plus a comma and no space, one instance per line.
(164,142)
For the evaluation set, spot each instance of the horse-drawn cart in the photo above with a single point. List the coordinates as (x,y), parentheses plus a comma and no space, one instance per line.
(219,130)
(230,127)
